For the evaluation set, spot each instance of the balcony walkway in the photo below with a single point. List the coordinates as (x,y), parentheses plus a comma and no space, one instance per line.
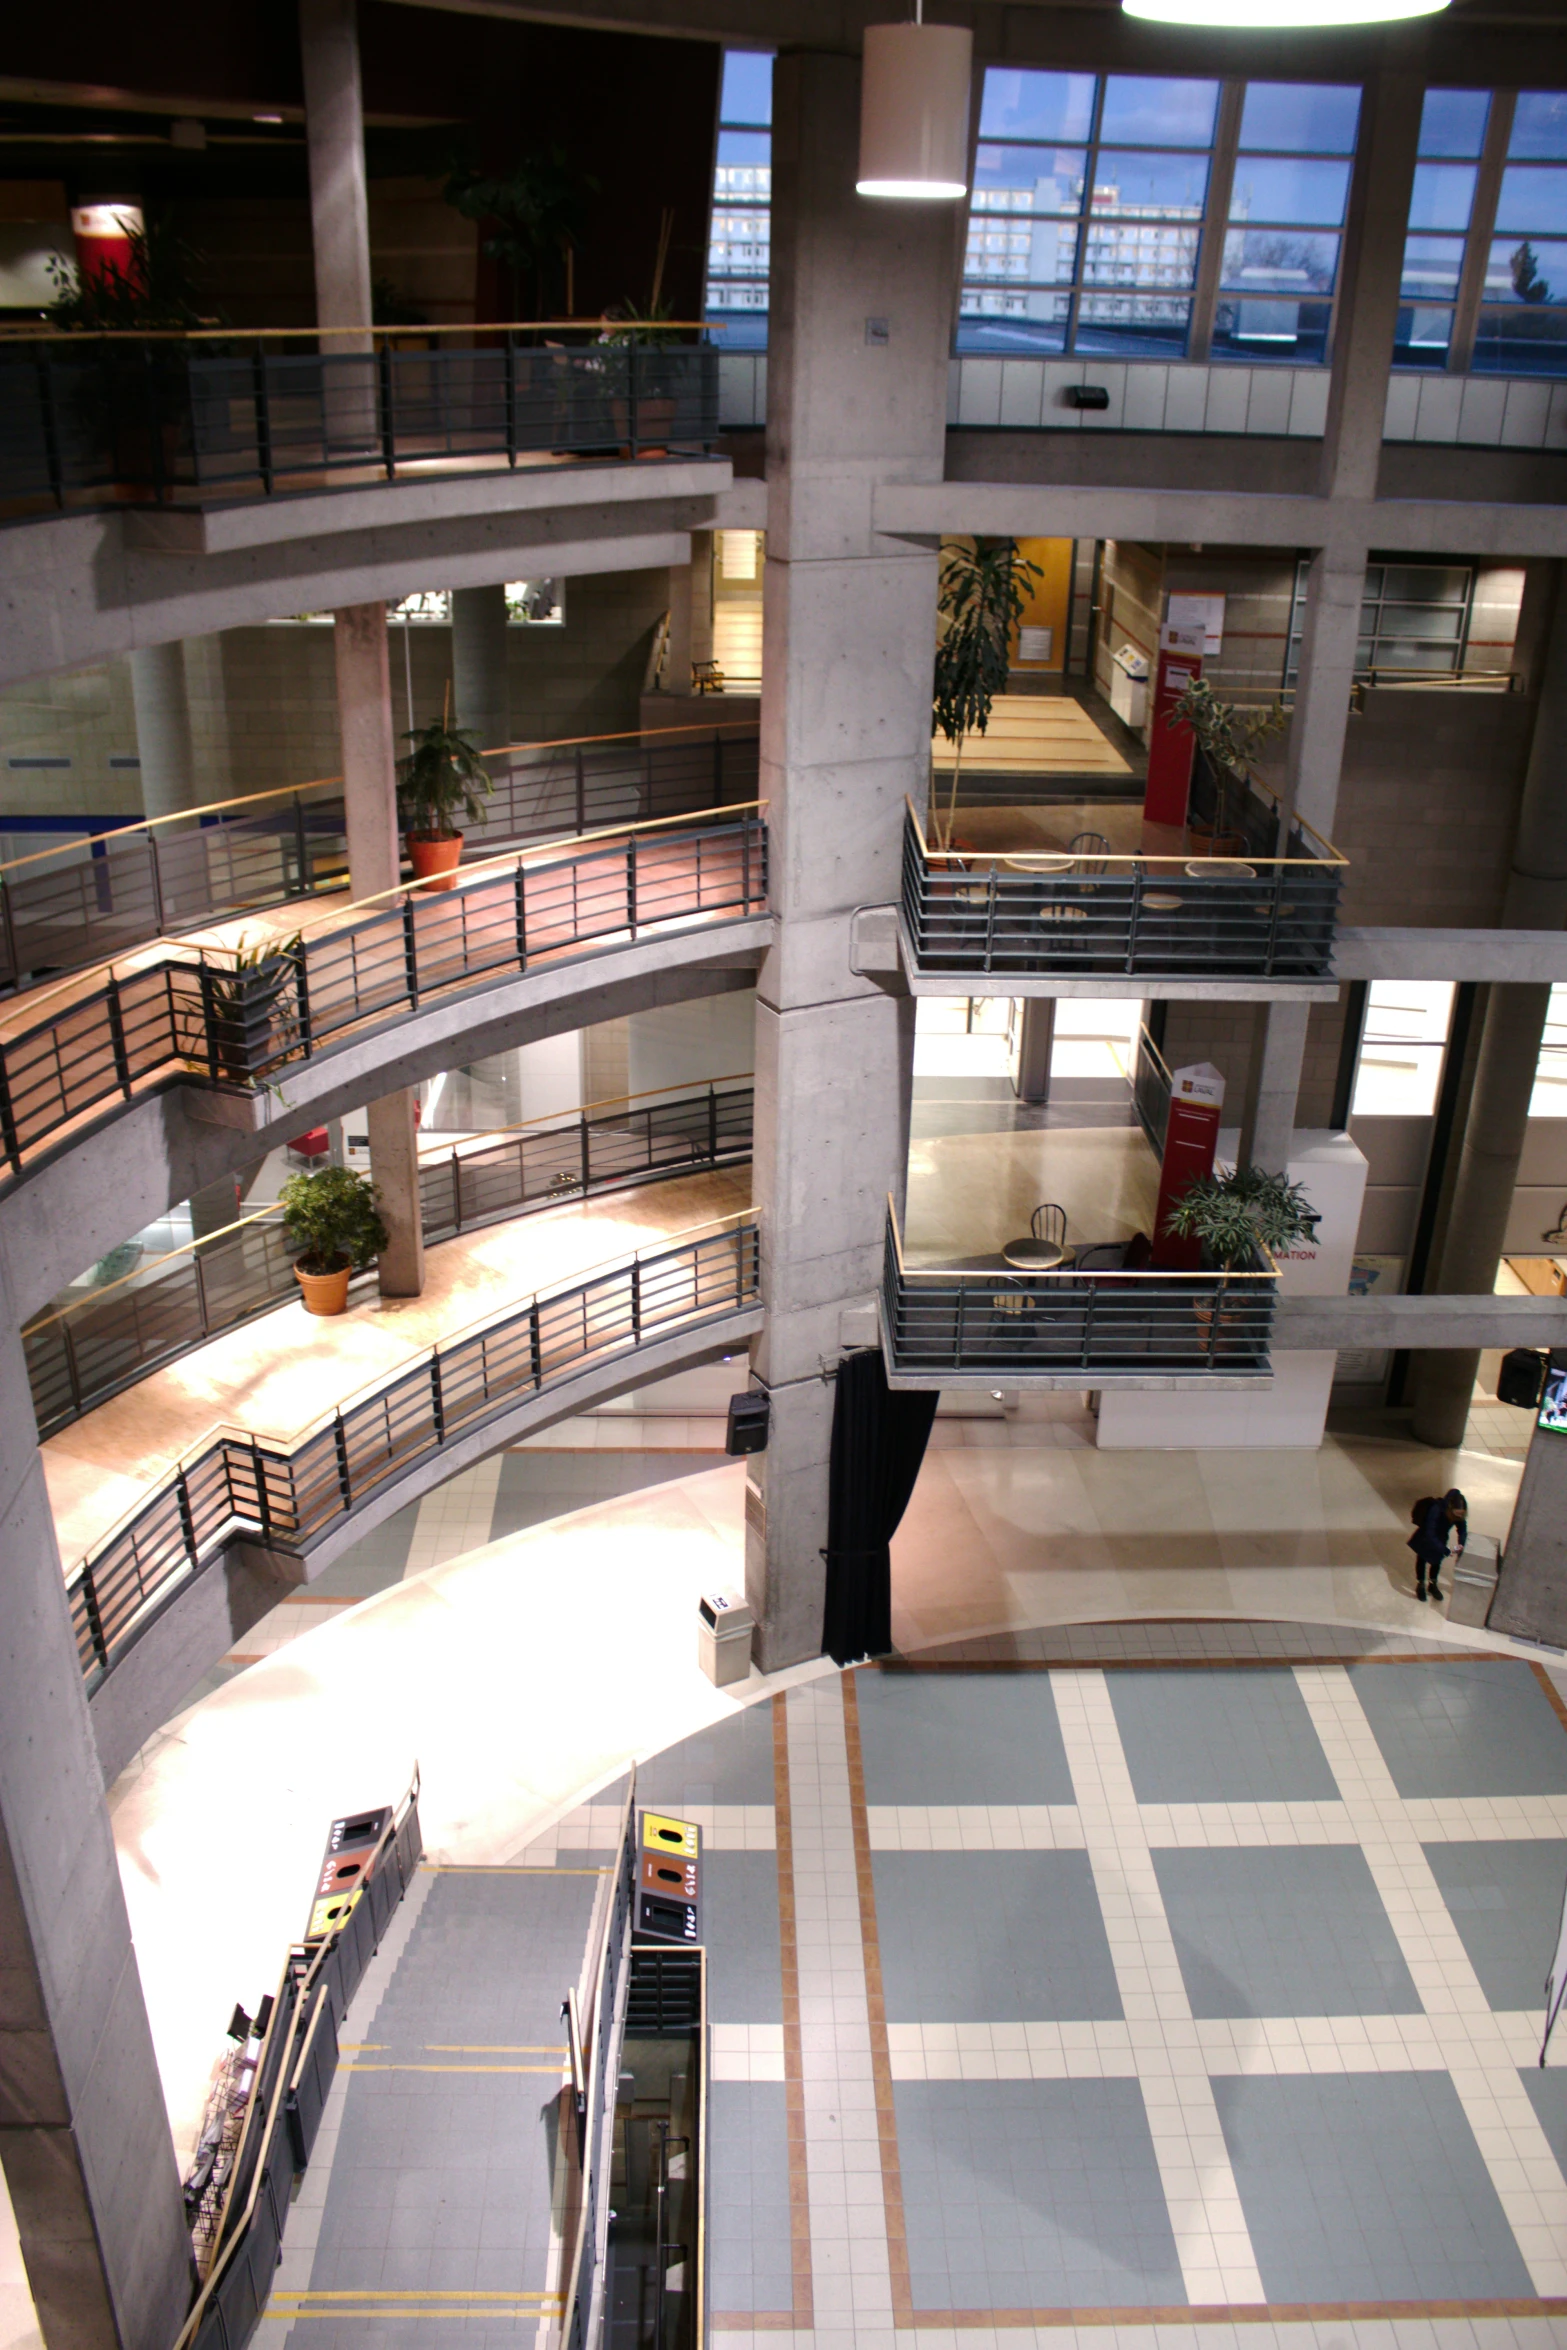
(275,1376)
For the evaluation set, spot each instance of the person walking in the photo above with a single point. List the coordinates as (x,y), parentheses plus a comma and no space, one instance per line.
(1434,1518)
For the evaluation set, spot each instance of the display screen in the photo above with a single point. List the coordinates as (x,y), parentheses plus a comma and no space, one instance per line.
(1553,1403)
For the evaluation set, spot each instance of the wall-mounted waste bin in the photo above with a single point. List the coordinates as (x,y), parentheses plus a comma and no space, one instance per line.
(1474,1572)
(723,1638)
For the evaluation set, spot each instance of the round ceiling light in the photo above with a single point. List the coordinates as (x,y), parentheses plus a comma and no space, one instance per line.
(914,111)
(1270,15)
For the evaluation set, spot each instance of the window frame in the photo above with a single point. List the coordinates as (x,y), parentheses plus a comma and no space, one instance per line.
(1382,564)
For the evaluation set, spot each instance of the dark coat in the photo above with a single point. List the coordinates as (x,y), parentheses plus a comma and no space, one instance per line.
(1429,1539)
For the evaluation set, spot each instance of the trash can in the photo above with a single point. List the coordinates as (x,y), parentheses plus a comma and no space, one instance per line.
(1129,686)
(723,1638)
(1474,1574)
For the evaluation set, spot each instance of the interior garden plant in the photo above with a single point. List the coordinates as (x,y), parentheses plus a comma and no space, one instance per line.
(981,597)
(241,1000)
(441,778)
(333,1220)
(1229,739)
(1231,1214)
(535,213)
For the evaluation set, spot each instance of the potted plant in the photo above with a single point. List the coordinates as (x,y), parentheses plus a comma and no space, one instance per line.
(240,1001)
(1231,1215)
(333,1219)
(139,395)
(1227,738)
(981,598)
(441,776)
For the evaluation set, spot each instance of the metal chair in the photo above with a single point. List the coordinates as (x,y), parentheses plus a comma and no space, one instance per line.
(1048,1223)
(1092,851)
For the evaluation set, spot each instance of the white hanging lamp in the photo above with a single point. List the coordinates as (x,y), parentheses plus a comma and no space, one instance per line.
(914,110)
(1279,15)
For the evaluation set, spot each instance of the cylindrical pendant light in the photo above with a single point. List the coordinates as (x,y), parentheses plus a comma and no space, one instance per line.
(1278,15)
(914,110)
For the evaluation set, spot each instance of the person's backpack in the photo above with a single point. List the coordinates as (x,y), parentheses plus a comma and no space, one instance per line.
(1417,1515)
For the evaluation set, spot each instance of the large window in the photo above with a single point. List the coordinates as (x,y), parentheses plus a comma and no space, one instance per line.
(1414,618)
(1096,223)
(1523,316)
(1452,140)
(740,237)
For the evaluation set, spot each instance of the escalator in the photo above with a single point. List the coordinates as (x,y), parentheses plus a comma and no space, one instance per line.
(653,2298)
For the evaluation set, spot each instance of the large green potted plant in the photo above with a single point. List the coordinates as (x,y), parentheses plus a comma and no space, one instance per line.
(441,778)
(241,1031)
(1232,1216)
(333,1220)
(1228,738)
(982,595)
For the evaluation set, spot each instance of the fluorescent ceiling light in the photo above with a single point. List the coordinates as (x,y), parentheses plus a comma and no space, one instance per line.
(1267,15)
(914,111)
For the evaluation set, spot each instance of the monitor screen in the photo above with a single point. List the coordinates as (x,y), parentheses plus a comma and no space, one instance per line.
(1553,1403)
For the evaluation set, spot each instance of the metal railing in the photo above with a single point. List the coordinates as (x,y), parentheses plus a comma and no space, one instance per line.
(584,2308)
(62,909)
(1151,1088)
(157,418)
(289,1495)
(80,1354)
(202,1015)
(1096,1324)
(1248,914)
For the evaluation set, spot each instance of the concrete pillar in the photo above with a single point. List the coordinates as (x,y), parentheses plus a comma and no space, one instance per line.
(1506,1059)
(845,724)
(163,735)
(677,653)
(480,693)
(364,710)
(1372,258)
(1273,1086)
(1330,635)
(84,2133)
(701,615)
(1035,1045)
(335,141)
(1531,1592)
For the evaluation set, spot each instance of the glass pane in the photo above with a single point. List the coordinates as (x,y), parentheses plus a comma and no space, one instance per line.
(1423,583)
(1036,252)
(1111,326)
(1527,272)
(748,87)
(1312,193)
(1029,179)
(1425,624)
(1150,183)
(1422,337)
(1147,113)
(1036,105)
(1014,324)
(1302,118)
(1431,267)
(1532,199)
(1295,333)
(1452,122)
(745,327)
(1442,195)
(744,147)
(1521,342)
(1401,1058)
(1539,125)
(1139,253)
(1276,261)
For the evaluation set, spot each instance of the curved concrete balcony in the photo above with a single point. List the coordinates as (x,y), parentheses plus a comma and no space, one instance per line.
(186,1505)
(364,997)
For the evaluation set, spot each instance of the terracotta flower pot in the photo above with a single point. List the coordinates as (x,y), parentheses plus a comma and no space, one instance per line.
(435,858)
(325,1293)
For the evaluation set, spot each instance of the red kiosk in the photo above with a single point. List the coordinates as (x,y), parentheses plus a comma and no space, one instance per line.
(1170,747)
(1190,1139)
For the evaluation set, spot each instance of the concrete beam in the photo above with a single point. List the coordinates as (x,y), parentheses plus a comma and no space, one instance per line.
(1511,956)
(1440,1323)
(202,1618)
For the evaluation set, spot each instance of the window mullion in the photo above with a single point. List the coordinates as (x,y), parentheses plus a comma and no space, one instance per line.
(1210,250)
(1482,226)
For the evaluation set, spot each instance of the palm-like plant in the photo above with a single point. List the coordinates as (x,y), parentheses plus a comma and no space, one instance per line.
(441,775)
(1228,737)
(982,596)
(1230,1214)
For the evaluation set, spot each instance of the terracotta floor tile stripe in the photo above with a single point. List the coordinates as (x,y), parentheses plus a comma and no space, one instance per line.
(881,2060)
(803,2314)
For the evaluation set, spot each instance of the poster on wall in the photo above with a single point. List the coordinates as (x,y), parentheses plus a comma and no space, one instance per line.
(1202,615)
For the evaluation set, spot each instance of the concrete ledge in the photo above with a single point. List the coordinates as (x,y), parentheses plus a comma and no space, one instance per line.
(1505,955)
(242,1581)
(1457,1322)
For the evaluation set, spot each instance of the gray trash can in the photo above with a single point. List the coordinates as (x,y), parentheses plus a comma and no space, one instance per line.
(723,1638)
(1473,1572)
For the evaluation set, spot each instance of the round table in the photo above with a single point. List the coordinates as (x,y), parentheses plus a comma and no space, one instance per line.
(1034,1256)
(1221,869)
(1162,901)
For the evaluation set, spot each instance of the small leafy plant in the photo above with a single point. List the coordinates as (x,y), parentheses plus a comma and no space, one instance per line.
(1228,737)
(333,1219)
(1230,1214)
(242,998)
(442,775)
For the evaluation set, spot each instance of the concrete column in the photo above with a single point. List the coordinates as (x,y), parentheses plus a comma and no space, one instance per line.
(1507,1056)
(701,618)
(1531,1592)
(677,654)
(364,709)
(1035,1046)
(1335,590)
(1371,265)
(480,693)
(850,621)
(1273,1086)
(84,2133)
(163,736)
(335,141)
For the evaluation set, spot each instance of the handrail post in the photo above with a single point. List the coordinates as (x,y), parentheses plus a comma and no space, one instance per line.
(535,1345)
(990,918)
(263,1497)
(155,876)
(631,887)
(73,1369)
(301,960)
(261,395)
(959,1333)
(388,438)
(122,1066)
(586,1155)
(582,785)
(410,953)
(89,1591)
(302,847)
(209,1019)
(712,1124)
(456,1188)
(521,917)
(201,1294)
(345,1482)
(187,1517)
(636,1299)
(511,398)
(437,1400)
(8,1133)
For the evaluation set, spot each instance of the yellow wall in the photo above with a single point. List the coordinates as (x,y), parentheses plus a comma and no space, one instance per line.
(1049,599)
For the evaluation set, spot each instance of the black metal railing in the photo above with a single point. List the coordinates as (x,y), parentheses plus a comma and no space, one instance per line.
(80,1354)
(1238,916)
(203,1016)
(289,1496)
(161,420)
(63,909)
(1098,1325)
(1151,1091)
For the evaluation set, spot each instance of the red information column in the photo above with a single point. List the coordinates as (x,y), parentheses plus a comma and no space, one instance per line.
(1196,1098)
(1170,747)
(103,235)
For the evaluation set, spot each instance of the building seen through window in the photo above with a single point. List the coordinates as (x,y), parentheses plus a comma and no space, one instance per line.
(1288,199)
(739,239)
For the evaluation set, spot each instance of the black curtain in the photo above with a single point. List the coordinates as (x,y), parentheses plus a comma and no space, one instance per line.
(878,1442)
